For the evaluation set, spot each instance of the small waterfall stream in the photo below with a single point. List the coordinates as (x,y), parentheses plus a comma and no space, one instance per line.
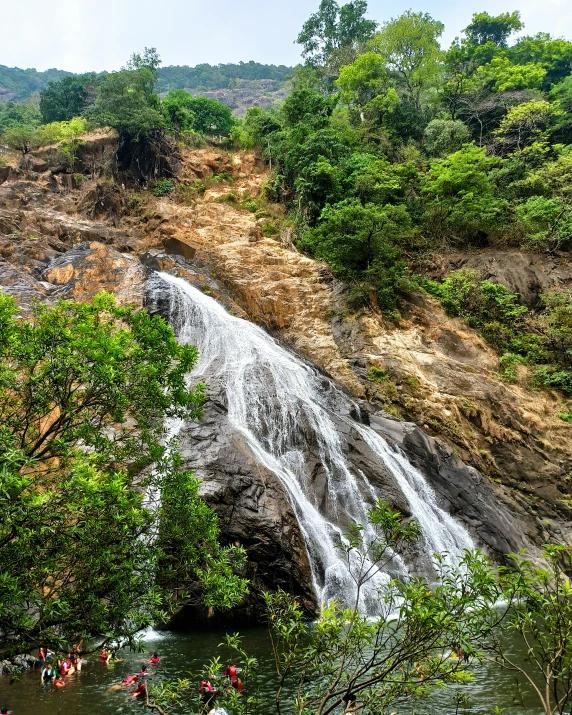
(278,403)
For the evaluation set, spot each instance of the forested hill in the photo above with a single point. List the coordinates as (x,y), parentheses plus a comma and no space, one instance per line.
(235,83)
(17,84)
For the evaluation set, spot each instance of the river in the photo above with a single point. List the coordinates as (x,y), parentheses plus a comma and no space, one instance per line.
(183,652)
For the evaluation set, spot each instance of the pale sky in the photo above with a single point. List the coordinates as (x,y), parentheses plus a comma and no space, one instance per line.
(101,34)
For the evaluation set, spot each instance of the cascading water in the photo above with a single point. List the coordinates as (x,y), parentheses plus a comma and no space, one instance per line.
(279,404)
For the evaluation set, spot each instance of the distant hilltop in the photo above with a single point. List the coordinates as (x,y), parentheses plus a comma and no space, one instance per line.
(238,85)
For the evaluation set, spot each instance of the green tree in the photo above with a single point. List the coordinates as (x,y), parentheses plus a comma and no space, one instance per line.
(304,106)
(67,98)
(410,48)
(445,136)
(346,662)
(360,244)
(22,138)
(332,36)
(507,76)
(496,29)
(541,620)
(18,113)
(460,194)
(546,223)
(176,106)
(363,81)
(127,102)
(555,55)
(525,123)
(69,135)
(210,116)
(88,547)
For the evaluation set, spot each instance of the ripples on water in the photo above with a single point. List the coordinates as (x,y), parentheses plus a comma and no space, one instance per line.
(180,653)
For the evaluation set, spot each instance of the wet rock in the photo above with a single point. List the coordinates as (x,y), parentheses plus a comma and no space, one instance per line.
(21,285)
(89,268)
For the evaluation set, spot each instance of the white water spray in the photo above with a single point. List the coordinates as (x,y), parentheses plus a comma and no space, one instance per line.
(282,407)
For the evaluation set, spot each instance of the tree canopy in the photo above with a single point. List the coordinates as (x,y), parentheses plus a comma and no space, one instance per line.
(88,549)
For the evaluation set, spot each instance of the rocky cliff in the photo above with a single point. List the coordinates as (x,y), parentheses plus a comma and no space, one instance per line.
(496,453)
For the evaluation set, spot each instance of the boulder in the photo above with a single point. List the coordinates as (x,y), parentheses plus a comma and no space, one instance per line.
(178,247)
(30,162)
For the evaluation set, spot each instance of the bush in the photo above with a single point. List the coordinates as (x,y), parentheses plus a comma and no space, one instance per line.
(269,228)
(359,243)
(163,187)
(251,206)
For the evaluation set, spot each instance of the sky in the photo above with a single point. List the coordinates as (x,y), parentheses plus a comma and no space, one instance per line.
(101,34)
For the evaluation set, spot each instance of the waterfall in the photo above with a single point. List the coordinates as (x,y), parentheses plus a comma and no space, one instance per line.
(280,404)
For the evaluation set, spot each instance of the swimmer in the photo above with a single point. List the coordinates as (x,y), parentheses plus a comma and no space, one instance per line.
(154,659)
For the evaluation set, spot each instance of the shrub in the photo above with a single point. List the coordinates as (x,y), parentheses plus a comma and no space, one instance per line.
(163,187)
(251,206)
(269,228)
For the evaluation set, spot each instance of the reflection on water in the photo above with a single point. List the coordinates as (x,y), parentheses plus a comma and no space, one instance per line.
(181,653)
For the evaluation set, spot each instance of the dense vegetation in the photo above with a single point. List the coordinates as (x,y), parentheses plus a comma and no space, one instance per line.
(19,84)
(88,549)
(390,148)
(209,77)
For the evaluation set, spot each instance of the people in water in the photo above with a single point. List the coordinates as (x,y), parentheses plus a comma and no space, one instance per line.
(66,667)
(208,691)
(48,673)
(4,711)
(231,675)
(144,673)
(107,656)
(154,659)
(139,691)
(44,654)
(59,681)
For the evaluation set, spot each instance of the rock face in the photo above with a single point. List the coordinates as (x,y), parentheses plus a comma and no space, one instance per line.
(496,454)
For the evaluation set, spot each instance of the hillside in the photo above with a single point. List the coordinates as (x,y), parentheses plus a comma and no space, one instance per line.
(241,85)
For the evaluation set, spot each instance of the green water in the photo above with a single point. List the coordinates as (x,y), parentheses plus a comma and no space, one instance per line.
(180,653)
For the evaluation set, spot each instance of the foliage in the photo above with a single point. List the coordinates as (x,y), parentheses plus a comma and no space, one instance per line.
(84,390)
(331,37)
(524,123)
(21,137)
(408,646)
(67,98)
(485,28)
(20,84)
(127,102)
(488,307)
(360,244)
(409,45)
(546,222)
(445,136)
(163,187)
(200,114)
(211,77)
(15,114)
(460,194)
(543,340)
(541,619)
